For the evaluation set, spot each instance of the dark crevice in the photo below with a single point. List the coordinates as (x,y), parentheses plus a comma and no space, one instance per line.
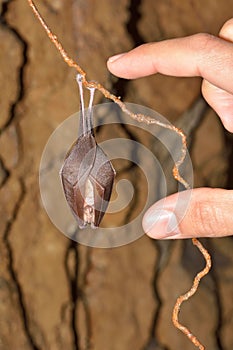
(218,328)
(77,286)
(4,174)
(218,303)
(156,291)
(88,340)
(4,9)
(120,86)
(20,148)
(134,19)
(72,273)
(229,145)
(163,252)
(13,274)
(84,299)
(21,70)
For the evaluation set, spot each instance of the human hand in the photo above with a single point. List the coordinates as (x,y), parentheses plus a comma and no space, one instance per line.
(210,212)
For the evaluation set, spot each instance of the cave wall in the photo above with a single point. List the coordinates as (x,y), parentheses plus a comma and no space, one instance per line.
(57,294)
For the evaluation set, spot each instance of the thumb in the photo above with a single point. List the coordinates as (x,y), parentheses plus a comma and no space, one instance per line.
(209,214)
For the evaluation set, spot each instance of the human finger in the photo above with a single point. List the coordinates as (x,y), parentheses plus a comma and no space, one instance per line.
(198,55)
(209,214)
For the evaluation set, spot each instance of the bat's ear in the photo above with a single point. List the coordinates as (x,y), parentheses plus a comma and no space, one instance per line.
(86,115)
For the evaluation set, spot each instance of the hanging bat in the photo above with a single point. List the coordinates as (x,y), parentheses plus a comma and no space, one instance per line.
(87,174)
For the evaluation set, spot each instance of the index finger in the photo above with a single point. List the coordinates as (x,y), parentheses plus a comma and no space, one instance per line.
(198,55)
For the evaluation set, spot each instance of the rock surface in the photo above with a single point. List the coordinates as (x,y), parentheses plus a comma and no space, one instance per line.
(54,293)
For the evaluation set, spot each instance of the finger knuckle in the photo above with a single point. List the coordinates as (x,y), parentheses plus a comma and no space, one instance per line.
(204,42)
(204,45)
(206,219)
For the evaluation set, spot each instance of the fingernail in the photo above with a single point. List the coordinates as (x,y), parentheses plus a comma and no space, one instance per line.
(160,223)
(116,57)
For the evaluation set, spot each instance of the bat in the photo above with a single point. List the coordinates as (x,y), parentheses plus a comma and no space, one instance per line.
(87,174)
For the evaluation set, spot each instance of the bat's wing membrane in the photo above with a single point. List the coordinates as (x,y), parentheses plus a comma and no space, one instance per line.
(102,177)
(75,172)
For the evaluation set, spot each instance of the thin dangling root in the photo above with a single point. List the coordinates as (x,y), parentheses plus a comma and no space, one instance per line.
(190,293)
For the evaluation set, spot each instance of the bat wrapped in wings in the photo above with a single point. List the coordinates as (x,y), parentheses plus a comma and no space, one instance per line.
(87,174)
